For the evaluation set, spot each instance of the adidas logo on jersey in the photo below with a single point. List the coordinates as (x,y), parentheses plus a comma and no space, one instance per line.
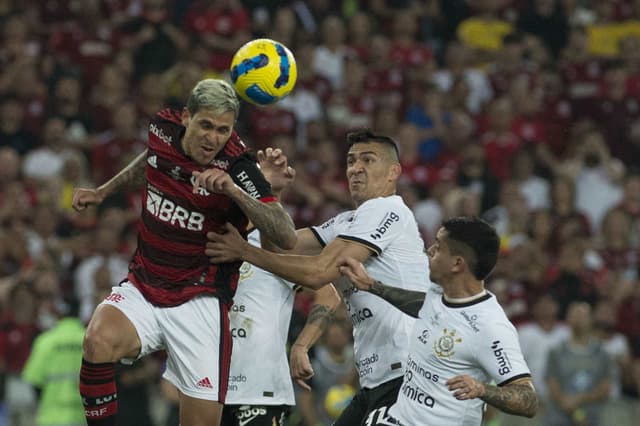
(205,383)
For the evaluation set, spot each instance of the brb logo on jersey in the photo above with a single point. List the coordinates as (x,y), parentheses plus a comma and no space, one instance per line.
(504,365)
(444,346)
(173,214)
(385,224)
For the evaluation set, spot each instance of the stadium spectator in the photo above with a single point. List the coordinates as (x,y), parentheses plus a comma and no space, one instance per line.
(579,373)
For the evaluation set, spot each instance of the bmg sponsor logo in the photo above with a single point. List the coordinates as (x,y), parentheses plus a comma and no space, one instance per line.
(385,224)
(504,365)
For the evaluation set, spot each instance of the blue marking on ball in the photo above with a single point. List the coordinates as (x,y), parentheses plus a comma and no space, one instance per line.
(256,94)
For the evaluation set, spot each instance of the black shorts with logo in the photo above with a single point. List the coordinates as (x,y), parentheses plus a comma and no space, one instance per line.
(369,406)
(254,415)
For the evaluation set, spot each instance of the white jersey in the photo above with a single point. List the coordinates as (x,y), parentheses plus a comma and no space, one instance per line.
(381,332)
(474,339)
(259,320)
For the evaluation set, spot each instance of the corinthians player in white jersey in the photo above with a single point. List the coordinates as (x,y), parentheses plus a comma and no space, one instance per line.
(260,391)
(382,233)
(462,339)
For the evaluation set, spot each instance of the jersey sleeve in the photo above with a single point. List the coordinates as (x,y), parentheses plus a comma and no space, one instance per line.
(326,232)
(500,355)
(246,174)
(376,224)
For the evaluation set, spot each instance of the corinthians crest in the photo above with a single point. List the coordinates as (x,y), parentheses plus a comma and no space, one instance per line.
(246,271)
(444,346)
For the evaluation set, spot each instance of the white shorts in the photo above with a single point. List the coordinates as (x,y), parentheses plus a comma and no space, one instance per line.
(195,335)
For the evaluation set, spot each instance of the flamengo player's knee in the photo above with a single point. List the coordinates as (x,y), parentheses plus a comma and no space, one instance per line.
(99,345)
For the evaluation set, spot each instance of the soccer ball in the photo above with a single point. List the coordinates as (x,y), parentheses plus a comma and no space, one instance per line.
(337,399)
(263,71)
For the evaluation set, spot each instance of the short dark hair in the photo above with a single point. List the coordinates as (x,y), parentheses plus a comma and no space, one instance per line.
(464,233)
(367,136)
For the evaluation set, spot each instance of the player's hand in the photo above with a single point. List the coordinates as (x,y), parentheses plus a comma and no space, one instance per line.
(275,168)
(355,272)
(301,368)
(225,247)
(466,387)
(85,197)
(213,180)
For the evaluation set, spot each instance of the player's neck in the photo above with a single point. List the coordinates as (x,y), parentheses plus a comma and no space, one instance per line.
(463,291)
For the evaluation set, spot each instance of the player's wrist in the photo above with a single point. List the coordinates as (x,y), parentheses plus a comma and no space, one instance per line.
(102,192)
(300,346)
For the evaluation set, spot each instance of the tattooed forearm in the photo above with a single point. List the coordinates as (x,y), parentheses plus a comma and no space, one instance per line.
(320,315)
(519,399)
(317,322)
(131,176)
(271,219)
(408,301)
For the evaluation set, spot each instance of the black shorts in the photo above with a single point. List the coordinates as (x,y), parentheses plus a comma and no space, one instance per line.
(369,406)
(254,415)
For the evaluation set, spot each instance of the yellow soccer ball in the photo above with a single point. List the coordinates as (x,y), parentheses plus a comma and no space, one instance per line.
(263,71)
(337,399)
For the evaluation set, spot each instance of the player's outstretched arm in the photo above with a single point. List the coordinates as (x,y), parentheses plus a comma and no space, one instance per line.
(324,305)
(518,397)
(132,175)
(308,271)
(408,301)
(271,219)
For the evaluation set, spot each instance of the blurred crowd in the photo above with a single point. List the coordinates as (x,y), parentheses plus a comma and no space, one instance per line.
(524,112)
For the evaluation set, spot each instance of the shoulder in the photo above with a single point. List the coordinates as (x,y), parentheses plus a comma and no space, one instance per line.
(168,115)
(393,203)
(235,147)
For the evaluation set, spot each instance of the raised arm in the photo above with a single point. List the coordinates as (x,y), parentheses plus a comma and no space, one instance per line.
(408,301)
(325,302)
(518,397)
(308,271)
(131,176)
(270,218)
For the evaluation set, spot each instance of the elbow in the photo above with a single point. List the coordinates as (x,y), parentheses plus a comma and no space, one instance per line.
(533,410)
(289,241)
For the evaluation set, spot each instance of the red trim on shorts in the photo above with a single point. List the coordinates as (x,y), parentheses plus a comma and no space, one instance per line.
(224,355)
(269,199)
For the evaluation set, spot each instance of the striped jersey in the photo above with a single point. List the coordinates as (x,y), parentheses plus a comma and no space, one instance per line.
(169,266)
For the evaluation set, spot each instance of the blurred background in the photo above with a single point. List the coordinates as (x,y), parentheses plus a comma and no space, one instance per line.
(526,113)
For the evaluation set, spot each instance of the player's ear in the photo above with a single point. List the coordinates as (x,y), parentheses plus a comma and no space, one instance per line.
(458,264)
(186,116)
(396,171)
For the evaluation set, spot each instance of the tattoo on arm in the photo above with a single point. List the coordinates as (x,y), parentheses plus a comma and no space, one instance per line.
(320,316)
(132,176)
(408,301)
(317,322)
(519,399)
(270,218)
